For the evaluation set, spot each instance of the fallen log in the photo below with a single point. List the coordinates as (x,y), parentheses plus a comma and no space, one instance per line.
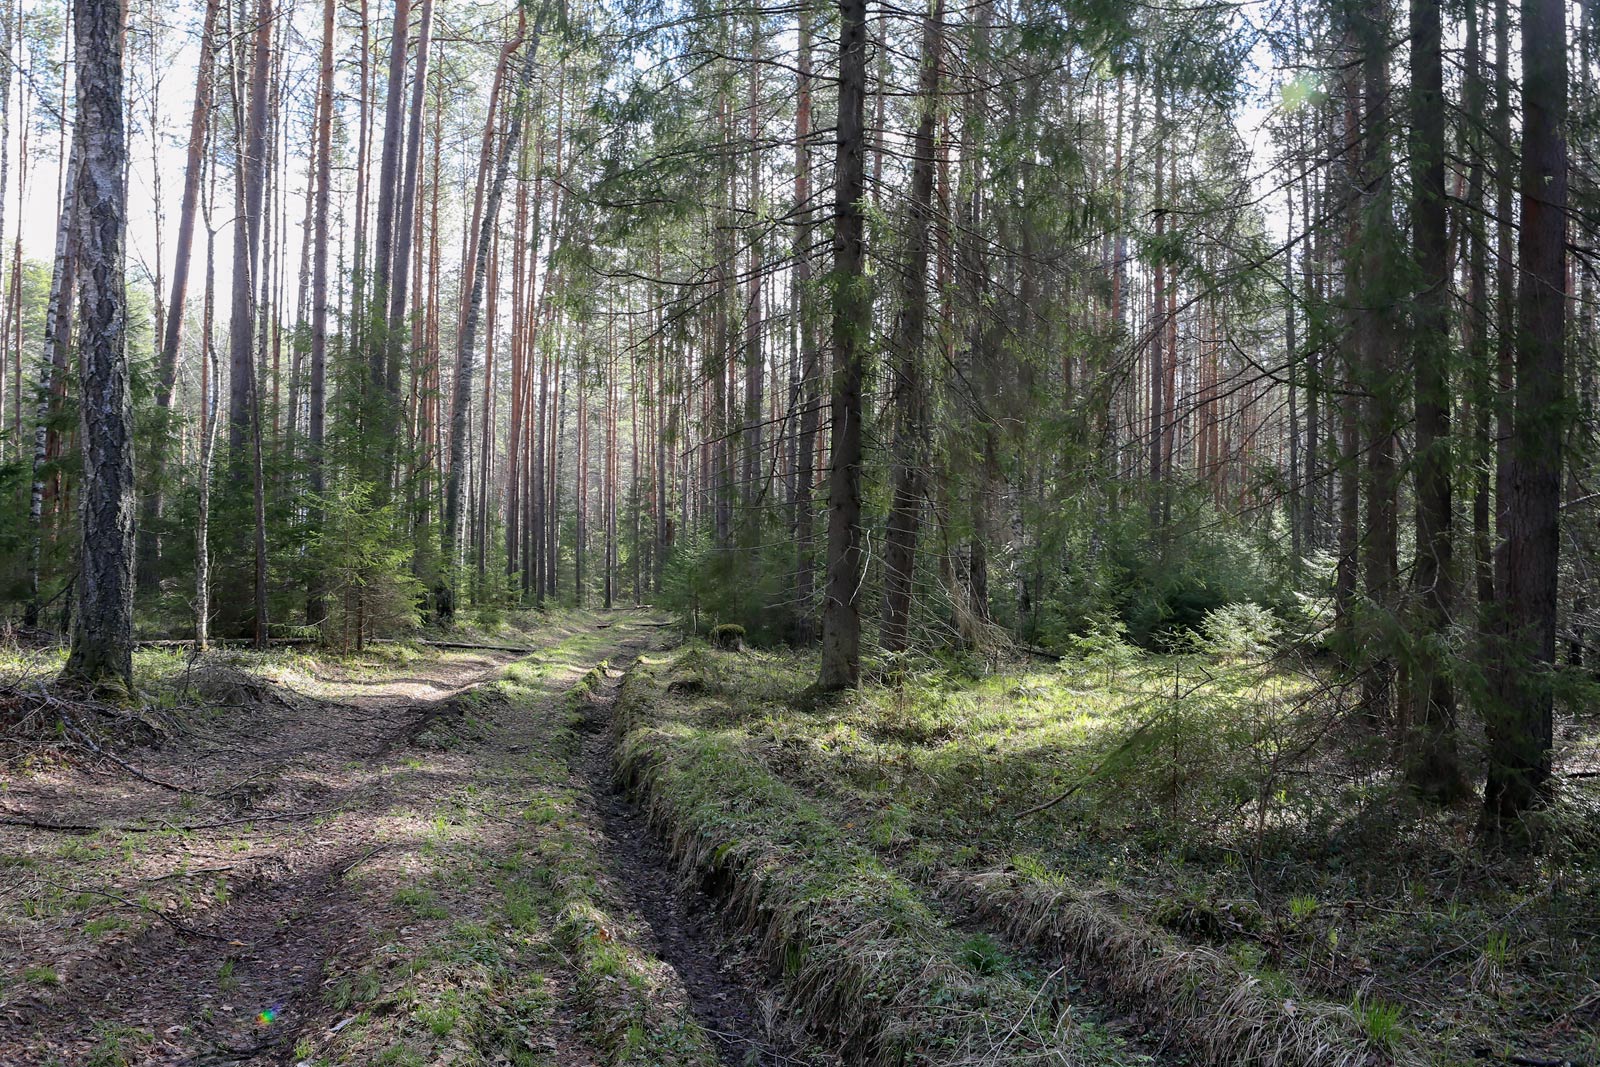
(477,646)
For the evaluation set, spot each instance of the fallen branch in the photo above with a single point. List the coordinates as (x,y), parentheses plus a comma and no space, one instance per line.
(59,827)
(86,828)
(475,645)
(284,816)
(364,857)
(1177,699)
(1086,779)
(66,720)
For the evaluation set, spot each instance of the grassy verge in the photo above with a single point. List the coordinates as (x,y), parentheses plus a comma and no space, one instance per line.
(1222,850)
(861,955)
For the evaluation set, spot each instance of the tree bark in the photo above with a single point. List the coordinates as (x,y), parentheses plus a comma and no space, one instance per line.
(810,354)
(316,608)
(208,440)
(908,388)
(1378,334)
(852,309)
(1433,766)
(450,534)
(52,368)
(1520,719)
(247,245)
(754,358)
(102,628)
(149,547)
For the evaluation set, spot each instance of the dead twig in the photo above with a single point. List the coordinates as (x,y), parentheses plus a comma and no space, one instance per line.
(72,727)
(86,828)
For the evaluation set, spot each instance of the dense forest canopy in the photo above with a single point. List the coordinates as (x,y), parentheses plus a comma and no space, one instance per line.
(905,332)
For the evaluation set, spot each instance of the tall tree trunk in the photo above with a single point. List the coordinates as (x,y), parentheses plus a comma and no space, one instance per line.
(450,534)
(316,608)
(1158,332)
(754,358)
(852,311)
(389,265)
(810,354)
(243,387)
(1476,325)
(1505,289)
(486,432)
(398,333)
(247,244)
(1378,333)
(521,308)
(1433,767)
(102,628)
(52,368)
(908,388)
(581,488)
(167,362)
(208,440)
(1520,719)
(1346,145)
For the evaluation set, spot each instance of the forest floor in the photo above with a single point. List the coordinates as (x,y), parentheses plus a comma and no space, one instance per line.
(609,849)
(1208,844)
(405,856)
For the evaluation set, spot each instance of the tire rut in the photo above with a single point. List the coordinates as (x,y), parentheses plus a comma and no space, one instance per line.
(726,990)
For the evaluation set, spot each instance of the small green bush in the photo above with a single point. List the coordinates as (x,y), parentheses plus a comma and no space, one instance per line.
(1239,630)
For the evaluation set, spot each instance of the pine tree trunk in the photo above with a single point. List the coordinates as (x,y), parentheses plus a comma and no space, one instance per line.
(754,365)
(52,369)
(1346,150)
(810,356)
(167,362)
(1505,288)
(450,533)
(1378,341)
(1158,333)
(383,402)
(102,628)
(208,440)
(1476,325)
(247,245)
(397,332)
(316,608)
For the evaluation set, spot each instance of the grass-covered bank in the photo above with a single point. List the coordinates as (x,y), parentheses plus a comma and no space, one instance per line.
(1210,837)
(863,956)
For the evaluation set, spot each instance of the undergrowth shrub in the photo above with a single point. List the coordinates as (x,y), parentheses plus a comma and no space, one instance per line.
(367,570)
(1239,630)
(1161,584)
(702,584)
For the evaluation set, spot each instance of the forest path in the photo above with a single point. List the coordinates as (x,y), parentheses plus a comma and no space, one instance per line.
(362,864)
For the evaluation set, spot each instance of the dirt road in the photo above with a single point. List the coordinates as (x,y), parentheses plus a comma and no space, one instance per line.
(400,859)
